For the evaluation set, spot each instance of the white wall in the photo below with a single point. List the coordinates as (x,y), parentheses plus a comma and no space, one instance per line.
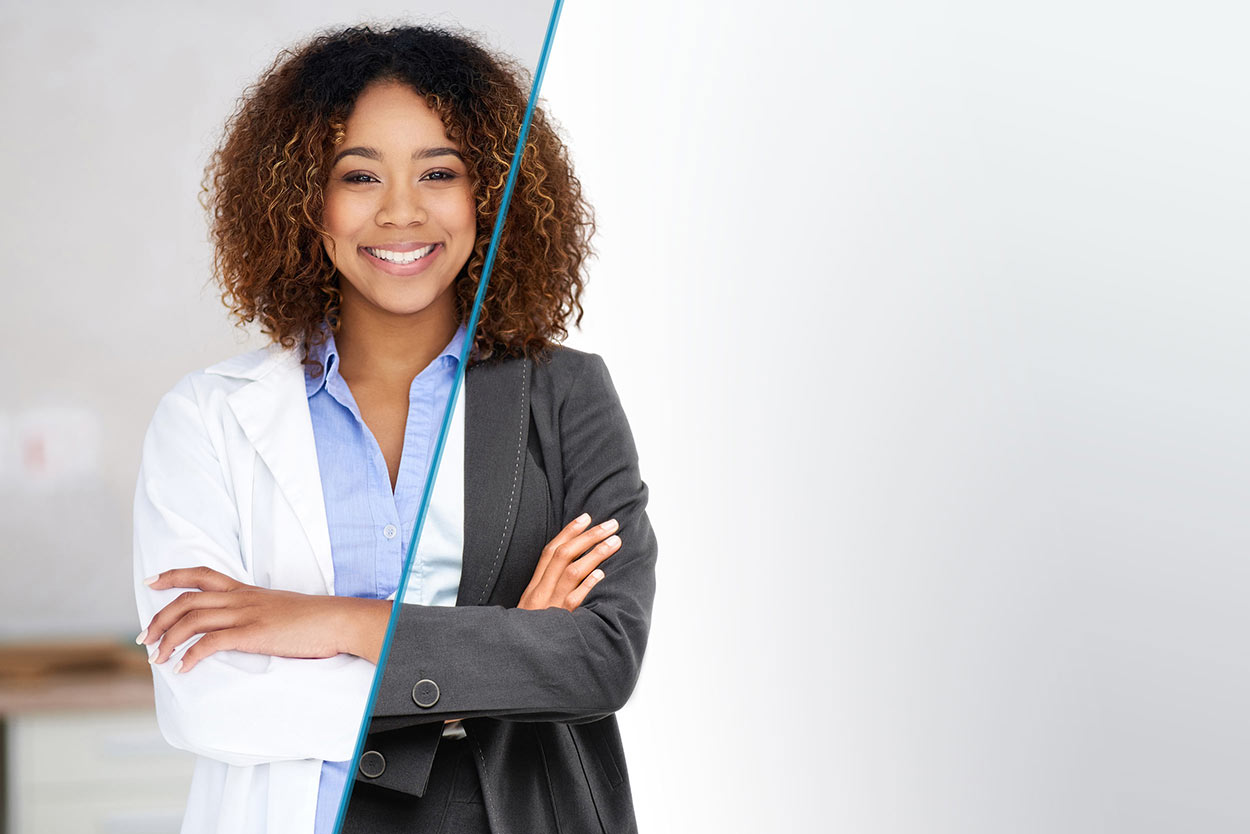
(930,320)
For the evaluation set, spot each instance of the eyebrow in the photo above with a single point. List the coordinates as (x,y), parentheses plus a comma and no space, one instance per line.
(376,155)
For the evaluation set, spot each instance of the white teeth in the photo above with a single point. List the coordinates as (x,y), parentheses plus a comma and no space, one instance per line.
(401,257)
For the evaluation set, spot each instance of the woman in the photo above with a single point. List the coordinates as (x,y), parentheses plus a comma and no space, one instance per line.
(352,202)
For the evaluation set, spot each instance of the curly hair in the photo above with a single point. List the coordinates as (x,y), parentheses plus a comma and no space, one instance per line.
(263,188)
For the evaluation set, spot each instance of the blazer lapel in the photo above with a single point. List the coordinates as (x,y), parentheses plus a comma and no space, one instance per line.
(496,428)
(273,412)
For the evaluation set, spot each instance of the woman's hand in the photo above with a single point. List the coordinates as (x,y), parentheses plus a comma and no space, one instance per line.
(234,615)
(566,571)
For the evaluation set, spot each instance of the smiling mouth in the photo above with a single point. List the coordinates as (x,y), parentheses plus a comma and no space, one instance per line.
(400,258)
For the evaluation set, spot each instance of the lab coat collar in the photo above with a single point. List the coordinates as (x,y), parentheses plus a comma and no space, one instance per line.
(257,364)
(272,410)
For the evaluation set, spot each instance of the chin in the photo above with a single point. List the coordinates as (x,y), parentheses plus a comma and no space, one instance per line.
(407,307)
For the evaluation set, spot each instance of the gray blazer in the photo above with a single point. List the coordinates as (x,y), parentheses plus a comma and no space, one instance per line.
(544,441)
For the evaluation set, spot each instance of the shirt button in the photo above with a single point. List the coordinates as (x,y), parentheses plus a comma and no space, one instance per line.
(389,531)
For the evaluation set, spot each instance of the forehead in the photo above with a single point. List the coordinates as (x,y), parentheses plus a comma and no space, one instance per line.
(391,111)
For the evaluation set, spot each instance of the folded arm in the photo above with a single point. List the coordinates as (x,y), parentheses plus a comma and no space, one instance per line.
(234,706)
(550,664)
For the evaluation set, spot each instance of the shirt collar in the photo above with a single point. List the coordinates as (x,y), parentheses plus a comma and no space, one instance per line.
(327,353)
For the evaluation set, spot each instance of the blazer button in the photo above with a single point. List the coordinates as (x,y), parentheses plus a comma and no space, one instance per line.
(372,764)
(425,693)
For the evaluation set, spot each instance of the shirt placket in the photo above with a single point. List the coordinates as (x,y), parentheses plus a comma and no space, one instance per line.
(413,464)
(388,553)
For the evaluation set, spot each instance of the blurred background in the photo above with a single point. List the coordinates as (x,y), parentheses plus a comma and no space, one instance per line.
(930,322)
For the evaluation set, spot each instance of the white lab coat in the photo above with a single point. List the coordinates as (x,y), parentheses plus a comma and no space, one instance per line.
(229,479)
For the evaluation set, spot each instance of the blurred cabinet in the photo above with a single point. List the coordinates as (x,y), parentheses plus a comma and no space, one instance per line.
(83,754)
(109,772)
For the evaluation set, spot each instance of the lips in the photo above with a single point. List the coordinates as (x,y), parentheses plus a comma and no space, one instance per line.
(402,258)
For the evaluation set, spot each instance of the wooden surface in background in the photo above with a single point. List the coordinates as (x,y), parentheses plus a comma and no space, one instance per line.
(72,675)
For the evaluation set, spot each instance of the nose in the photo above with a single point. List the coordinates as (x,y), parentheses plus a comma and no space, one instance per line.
(401,206)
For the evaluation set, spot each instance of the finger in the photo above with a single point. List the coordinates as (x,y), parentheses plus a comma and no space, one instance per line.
(196,621)
(542,582)
(570,530)
(578,595)
(210,643)
(555,580)
(206,579)
(176,610)
(573,575)
(574,548)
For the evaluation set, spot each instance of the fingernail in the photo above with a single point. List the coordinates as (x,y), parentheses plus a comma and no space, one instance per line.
(152,653)
(151,579)
(597,574)
(582,520)
(178,667)
(610,524)
(612,541)
(142,636)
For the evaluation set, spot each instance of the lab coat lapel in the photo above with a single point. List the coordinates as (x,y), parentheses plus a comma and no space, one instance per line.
(496,430)
(273,412)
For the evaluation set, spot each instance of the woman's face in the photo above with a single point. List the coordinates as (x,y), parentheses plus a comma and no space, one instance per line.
(399,209)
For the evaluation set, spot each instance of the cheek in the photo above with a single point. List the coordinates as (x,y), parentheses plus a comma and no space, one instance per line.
(463,216)
(334,215)
(345,214)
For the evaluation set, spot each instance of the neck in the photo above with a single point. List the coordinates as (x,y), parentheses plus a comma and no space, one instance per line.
(380,348)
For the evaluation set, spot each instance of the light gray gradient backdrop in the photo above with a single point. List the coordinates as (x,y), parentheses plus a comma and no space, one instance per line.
(931,320)
(930,323)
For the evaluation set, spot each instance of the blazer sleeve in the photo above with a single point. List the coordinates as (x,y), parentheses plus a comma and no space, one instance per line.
(552,664)
(236,707)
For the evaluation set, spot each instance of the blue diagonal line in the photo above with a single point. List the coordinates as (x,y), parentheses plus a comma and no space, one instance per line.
(451,405)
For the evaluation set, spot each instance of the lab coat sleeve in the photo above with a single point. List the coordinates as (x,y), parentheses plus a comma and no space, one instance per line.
(552,664)
(235,707)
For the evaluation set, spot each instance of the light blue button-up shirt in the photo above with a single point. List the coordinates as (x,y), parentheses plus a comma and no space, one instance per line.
(370,526)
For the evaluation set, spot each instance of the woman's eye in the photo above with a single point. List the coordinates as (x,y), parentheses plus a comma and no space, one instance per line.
(358,178)
(439,176)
